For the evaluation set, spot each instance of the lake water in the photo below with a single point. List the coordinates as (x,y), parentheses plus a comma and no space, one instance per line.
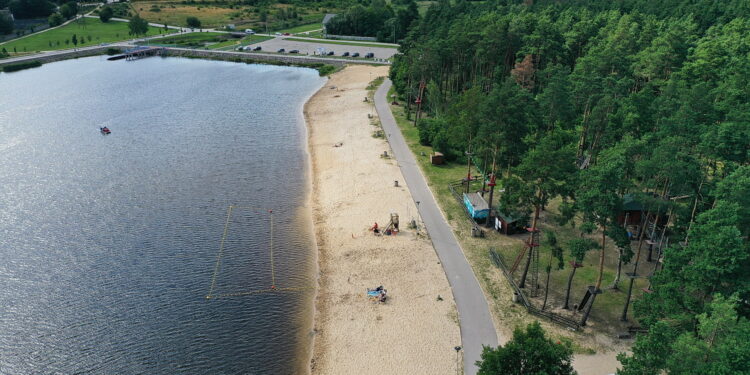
(109,244)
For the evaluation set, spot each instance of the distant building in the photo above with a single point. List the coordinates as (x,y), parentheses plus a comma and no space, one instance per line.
(7,13)
(326,19)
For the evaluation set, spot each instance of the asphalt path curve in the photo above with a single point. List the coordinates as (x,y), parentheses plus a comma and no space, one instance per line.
(474,314)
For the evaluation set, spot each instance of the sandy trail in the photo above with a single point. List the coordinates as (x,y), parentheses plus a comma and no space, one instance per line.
(353,187)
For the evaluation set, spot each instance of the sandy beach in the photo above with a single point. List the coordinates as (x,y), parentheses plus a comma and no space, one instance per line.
(416,329)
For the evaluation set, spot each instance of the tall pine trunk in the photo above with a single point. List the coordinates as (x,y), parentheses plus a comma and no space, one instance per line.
(616,282)
(597,288)
(642,236)
(531,247)
(546,286)
(570,283)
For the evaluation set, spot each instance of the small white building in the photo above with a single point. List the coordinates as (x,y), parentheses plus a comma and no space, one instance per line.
(326,19)
(7,13)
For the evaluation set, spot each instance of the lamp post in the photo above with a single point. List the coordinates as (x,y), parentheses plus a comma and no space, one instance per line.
(458,349)
(373,104)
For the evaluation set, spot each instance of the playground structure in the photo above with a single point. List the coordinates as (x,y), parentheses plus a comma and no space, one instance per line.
(390,230)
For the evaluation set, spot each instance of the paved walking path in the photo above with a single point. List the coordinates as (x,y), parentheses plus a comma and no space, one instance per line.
(474,314)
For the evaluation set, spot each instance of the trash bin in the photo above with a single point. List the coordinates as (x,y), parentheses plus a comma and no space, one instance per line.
(516,297)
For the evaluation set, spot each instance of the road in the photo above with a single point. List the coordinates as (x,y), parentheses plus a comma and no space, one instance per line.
(474,314)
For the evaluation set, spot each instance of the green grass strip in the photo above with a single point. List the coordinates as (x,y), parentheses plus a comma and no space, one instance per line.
(303,28)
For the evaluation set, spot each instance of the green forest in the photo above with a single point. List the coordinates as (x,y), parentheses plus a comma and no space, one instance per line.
(386,22)
(589,101)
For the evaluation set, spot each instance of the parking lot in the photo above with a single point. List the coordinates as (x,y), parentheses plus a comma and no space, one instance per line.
(313,48)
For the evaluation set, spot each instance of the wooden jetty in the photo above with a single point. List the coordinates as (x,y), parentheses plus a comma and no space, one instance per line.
(139,53)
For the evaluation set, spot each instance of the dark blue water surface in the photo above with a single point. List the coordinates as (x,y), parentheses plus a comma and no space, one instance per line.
(108,244)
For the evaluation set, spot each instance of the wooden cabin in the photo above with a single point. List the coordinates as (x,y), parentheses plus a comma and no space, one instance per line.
(632,211)
(437,158)
(507,224)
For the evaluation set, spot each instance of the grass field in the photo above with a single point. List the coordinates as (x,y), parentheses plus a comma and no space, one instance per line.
(302,28)
(91,29)
(218,14)
(608,306)
(326,41)
(192,39)
(177,14)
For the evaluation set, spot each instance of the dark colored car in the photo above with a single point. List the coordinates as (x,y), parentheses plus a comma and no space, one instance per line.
(330,53)
(369,55)
(345,54)
(281,50)
(257,48)
(355,54)
(294,51)
(287,34)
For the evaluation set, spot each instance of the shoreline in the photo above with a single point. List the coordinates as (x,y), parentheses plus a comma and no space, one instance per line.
(310,208)
(416,330)
(303,61)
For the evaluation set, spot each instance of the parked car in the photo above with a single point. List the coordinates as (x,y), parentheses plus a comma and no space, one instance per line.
(345,54)
(249,31)
(355,54)
(286,34)
(281,50)
(294,51)
(257,48)
(278,34)
(369,55)
(330,53)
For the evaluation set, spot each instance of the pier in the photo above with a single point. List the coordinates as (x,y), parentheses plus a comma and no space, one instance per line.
(139,53)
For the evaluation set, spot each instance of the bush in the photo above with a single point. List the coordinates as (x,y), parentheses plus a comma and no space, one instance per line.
(112,51)
(193,22)
(106,14)
(55,20)
(68,10)
(326,70)
(21,66)
(6,25)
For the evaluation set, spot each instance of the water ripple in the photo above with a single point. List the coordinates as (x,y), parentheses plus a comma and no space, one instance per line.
(108,243)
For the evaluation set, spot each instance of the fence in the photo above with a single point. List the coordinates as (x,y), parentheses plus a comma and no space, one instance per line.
(555,318)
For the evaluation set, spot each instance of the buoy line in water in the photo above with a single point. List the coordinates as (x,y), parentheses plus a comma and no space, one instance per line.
(220,254)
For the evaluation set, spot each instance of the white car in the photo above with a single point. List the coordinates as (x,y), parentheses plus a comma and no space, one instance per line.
(249,31)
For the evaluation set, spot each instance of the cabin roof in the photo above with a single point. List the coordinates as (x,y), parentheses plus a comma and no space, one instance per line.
(630,203)
(477,201)
(508,219)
